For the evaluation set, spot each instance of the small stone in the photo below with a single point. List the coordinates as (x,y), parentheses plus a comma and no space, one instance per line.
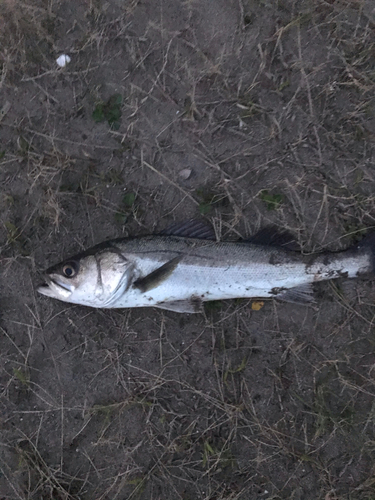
(185,173)
(63,60)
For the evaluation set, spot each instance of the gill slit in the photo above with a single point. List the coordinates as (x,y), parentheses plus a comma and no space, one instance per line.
(99,281)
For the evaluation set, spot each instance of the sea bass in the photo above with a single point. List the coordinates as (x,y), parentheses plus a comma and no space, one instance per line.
(185,266)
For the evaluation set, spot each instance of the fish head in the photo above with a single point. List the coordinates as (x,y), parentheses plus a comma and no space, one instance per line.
(95,279)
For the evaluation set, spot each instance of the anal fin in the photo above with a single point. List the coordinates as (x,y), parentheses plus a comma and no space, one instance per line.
(302,294)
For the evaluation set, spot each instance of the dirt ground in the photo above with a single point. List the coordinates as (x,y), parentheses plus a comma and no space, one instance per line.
(242,112)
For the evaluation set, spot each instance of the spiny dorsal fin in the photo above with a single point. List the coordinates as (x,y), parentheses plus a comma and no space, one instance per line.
(190,229)
(157,277)
(273,236)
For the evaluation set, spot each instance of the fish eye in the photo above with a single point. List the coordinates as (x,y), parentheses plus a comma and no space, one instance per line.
(70,269)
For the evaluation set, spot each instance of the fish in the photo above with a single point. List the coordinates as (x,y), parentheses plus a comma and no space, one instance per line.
(184,266)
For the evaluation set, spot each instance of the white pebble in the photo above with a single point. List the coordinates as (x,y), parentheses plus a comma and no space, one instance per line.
(185,173)
(63,60)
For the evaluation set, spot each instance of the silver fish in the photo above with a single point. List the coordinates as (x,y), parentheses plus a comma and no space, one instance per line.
(185,266)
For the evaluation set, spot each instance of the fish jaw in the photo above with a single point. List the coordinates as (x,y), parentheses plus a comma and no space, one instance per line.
(55,288)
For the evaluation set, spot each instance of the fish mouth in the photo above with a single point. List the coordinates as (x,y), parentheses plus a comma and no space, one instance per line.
(55,288)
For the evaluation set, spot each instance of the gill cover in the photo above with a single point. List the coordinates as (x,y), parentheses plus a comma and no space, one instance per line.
(95,279)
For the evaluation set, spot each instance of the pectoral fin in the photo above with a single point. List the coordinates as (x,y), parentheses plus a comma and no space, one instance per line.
(157,277)
(192,305)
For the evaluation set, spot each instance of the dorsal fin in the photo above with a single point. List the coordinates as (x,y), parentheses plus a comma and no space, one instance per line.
(192,228)
(273,236)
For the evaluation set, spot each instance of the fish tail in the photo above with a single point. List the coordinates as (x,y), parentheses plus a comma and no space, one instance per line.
(356,261)
(367,246)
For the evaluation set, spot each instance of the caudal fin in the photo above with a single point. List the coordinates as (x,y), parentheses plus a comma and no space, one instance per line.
(367,245)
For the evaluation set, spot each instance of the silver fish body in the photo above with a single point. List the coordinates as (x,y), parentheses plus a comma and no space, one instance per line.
(180,273)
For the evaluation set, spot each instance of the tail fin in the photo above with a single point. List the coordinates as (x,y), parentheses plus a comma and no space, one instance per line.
(367,245)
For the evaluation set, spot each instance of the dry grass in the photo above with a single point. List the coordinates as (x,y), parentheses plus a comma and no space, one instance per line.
(270,108)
